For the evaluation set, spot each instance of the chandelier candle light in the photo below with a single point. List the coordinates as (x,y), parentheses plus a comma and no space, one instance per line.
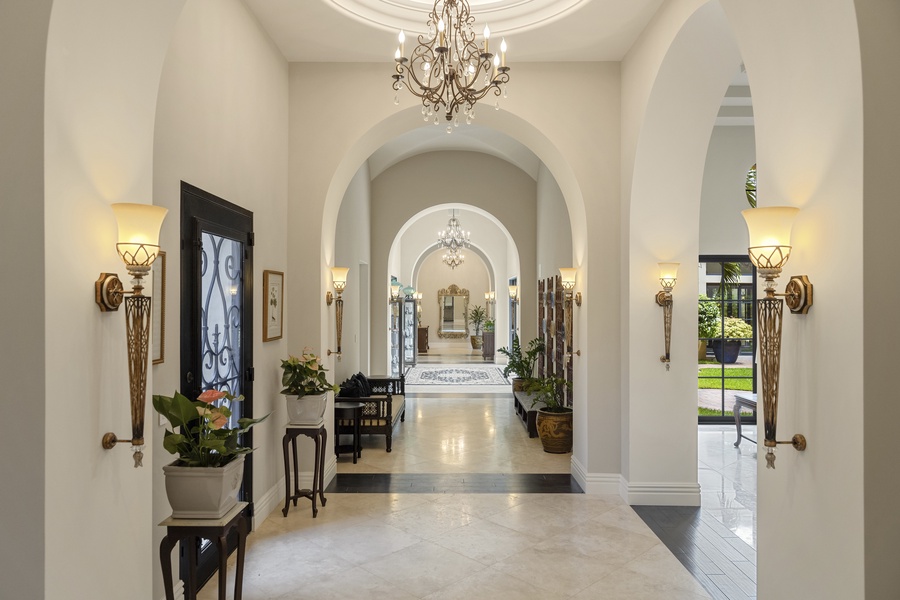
(448,69)
(454,239)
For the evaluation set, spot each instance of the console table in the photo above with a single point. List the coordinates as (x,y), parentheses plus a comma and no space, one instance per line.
(746,400)
(215,530)
(319,435)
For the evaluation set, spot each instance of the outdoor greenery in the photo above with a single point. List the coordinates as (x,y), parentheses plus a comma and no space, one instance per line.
(477,316)
(735,328)
(715,412)
(710,378)
(707,318)
(488,326)
(522,364)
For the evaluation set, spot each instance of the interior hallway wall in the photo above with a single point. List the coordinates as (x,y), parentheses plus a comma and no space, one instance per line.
(731,153)
(221,125)
(554,231)
(23,48)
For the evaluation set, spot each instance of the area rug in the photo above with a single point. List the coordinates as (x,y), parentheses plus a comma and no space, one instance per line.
(456,375)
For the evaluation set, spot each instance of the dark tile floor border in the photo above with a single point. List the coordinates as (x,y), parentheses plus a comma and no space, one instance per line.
(453,483)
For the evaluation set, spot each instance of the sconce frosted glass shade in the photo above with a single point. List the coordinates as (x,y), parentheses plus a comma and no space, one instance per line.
(668,274)
(395,290)
(139,226)
(339,277)
(568,277)
(770,234)
(513,291)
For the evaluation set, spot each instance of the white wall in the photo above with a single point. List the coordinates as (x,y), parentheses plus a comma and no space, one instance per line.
(23,46)
(731,153)
(554,231)
(103,64)
(881,86)
(434,275)
(352,250)
(221,125)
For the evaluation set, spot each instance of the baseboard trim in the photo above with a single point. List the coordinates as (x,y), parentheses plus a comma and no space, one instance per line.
(268,503)
(661,494)
(595,483)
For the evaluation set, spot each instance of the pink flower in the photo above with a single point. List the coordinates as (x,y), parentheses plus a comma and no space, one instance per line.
(210,396)
(217,420)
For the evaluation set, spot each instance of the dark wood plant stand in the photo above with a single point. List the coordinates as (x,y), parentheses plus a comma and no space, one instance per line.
(320,436)
(215,530)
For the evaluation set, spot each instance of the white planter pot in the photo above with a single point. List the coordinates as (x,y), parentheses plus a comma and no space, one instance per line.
(306,410)
(203,492)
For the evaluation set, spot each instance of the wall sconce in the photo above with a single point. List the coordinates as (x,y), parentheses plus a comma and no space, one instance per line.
(567,277)
(514,294)
(395,291)
(770,237)
(339,279)
(668,275)
(138,246)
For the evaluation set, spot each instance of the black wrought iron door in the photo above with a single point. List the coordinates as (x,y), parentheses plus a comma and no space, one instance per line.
(217,322)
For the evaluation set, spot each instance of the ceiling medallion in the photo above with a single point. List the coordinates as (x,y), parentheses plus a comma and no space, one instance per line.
(447,69)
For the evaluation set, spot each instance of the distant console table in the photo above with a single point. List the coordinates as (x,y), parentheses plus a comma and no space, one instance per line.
(747,401)
(487,345)
(423,340)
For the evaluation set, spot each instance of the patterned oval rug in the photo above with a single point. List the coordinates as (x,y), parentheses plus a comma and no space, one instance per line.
(456,375)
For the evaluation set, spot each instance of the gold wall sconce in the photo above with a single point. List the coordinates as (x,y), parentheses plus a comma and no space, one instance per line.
(668,275)
(339,280)
(138,246)
(514,294)
(567,276)
(770,248)
(395,291)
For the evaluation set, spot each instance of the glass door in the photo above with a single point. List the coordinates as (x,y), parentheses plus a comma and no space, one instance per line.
(217,324)
(726,336)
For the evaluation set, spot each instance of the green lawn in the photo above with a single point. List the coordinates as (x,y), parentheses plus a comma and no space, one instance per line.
(711,379)
(712,412)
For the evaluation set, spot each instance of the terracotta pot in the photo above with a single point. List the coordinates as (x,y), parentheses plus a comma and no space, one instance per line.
(518,384)
(305,410)
(555,431)
(203,492)
(701,350)
(476,341)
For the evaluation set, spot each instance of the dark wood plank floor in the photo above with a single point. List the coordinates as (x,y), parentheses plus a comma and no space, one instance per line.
(722,562)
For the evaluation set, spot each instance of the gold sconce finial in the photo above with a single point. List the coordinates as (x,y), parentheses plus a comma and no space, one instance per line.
(668,275)
(770,248)
(339,280)
(138,247)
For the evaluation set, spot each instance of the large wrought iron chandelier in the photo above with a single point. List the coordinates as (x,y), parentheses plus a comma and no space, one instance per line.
(448,69)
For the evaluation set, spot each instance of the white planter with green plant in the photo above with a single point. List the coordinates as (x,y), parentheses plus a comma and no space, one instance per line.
(305,388)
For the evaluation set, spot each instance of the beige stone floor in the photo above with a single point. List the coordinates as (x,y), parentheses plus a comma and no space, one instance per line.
(466,546)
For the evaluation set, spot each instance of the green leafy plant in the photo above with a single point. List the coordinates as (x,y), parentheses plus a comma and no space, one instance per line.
(549,392)
(477,316)
(489,326)
(735,328)
(204,441)
(305,376)
(707,318)
(519,362)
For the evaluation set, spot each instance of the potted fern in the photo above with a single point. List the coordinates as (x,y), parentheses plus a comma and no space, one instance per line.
(521,362)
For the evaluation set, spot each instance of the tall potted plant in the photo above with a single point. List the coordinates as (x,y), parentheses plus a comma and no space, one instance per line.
(521,363)
(707,320)
(477,316)
(305,388)
(203,482)
(554,418)
(727,345)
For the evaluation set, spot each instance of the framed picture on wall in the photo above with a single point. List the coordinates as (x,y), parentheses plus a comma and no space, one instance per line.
(158,310)
(273,305)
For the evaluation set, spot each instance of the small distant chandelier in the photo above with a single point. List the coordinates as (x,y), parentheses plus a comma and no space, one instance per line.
(447,67)
(453,238)
(453,258)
